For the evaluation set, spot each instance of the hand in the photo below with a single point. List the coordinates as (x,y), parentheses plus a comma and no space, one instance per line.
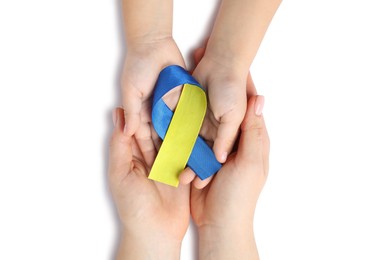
(143,63)
(227,95)
(216,131)
(223,211)
(154,216)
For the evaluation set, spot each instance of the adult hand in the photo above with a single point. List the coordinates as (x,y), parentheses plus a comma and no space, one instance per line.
(154,216)
(224,210)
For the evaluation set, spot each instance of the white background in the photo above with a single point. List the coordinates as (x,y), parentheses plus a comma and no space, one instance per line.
(324,68)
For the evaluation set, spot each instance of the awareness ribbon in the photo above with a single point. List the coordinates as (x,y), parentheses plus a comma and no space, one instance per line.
(179,130)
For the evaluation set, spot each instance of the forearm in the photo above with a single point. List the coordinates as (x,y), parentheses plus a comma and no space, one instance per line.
(140,247)
(228,243)
(147,21)
(238,31)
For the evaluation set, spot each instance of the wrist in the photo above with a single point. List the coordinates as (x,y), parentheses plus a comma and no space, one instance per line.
(147,21)
(147,246)
(225,55)
(226,65)
(148,41)
(227,242)
(161,51)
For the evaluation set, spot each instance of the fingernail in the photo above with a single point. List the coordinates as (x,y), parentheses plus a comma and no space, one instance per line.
(259,104)
(224,156)
(114,117)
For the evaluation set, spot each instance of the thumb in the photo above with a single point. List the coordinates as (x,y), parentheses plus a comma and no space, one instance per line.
(132,104)
(198,55)
(121,154)
(254,140)
(226,136)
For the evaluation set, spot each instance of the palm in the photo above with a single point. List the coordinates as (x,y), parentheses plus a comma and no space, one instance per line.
(205,206)
(158,207)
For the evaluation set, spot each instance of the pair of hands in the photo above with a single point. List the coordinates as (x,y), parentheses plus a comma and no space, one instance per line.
(155,216)
(226,90)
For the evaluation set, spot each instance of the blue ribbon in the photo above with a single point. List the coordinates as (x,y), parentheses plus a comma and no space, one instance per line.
(202,160)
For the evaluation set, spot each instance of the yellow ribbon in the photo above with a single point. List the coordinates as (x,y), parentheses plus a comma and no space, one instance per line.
(181,136)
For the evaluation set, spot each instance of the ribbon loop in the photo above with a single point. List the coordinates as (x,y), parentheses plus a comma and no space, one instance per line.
(179,130)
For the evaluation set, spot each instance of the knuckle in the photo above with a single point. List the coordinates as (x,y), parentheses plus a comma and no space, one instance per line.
(228,109)
(118,139)
(257,132)
(251,125)
(224,141)
(131,91)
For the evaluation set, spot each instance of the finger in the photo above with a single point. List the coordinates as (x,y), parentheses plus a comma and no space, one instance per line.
(200,184)
(132,104)
(156,139)
(187,176)
(198,55)
(209,127)
(143,135)
(120,158)
(172,97)
(226,136)
(135,149)
(254,141)
(250,87)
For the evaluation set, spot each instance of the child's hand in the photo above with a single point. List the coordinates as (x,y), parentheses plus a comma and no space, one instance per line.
(227,94)
(154,216)
(223,211)
(141,69)
(227,98)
